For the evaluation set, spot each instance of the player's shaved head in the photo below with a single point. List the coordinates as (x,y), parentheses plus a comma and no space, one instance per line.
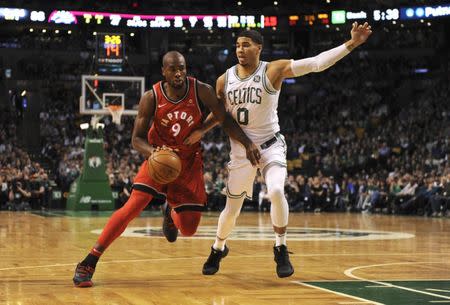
(172,57)
(174,69)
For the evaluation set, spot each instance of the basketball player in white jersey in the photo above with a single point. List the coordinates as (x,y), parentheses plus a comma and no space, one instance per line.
(250,91)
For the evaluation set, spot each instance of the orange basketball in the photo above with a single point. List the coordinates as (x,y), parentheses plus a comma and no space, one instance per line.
(164,166)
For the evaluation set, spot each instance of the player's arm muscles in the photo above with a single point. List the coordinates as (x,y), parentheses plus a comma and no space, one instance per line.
(142,124)
(210,121)
(230,126)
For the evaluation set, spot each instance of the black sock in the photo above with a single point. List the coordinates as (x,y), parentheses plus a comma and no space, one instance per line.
(90,260)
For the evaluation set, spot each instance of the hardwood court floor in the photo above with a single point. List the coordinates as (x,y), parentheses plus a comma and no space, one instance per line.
(338,259)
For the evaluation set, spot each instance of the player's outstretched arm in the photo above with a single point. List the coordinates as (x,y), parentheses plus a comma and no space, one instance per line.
(278,70)
(141,124)
(231,127)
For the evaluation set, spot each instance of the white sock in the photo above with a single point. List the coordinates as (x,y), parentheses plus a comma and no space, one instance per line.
(219,244)
(280,239)
(227,220)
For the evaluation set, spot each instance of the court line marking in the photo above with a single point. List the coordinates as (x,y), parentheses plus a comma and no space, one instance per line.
(365,301)
(355,303)
(439,301)
(439,290)
(349,273)
(384,280)
(234,257)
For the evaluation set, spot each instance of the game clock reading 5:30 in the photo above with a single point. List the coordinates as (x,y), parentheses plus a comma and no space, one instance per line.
(389,14)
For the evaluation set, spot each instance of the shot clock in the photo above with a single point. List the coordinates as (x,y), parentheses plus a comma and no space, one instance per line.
(110,49)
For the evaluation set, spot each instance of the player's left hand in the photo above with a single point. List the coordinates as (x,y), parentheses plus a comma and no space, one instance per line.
(194,137)
(360,33)
(253,153)
(164,147)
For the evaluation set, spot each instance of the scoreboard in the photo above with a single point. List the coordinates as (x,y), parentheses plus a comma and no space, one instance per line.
(110,49)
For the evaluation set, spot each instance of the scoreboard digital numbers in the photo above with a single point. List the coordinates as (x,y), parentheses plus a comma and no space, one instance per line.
(110,49)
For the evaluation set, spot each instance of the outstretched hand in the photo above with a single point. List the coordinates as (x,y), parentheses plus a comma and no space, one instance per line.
(360,33)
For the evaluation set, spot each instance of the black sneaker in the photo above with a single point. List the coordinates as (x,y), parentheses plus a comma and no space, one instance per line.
(83,276)
(211,265)
(168,227)
(284,266)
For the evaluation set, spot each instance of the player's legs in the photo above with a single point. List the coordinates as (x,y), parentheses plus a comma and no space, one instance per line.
(186,221)
(274,172)
(114,228)
(227,221)
(239,186)
(186,200)
(121,218)
(144,190)
(275,176)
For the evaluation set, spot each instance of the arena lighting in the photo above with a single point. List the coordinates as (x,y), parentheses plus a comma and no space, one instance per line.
(99,125)
(132,34)
(69,32)
(137,21)
(13,14)
(421,12)
(338,17)
(84,126)
(37,16)
(44,30)
(24,92)
(31,30)
(356,15)
(56,31)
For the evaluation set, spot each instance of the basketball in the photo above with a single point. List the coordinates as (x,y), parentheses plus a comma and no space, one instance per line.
(164,166)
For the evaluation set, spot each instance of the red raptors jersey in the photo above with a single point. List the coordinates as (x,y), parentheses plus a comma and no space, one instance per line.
(175,120)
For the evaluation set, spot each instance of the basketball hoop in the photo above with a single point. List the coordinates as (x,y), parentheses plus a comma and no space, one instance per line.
(116,113)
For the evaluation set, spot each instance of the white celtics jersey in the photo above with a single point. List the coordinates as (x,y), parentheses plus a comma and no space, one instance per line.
(253,103)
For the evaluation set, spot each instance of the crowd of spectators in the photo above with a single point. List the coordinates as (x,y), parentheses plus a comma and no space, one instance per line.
(24,184)
(368,135)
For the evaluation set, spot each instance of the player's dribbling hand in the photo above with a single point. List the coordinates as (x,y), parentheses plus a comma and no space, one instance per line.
(194,137)
(164,147)
(253,153)
(360,33)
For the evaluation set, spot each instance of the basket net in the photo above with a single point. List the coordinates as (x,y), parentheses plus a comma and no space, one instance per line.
(116,113)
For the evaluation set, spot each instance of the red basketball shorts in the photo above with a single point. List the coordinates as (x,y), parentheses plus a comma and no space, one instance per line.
(186,193)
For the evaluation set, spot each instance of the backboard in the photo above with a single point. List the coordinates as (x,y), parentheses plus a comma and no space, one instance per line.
(100,91)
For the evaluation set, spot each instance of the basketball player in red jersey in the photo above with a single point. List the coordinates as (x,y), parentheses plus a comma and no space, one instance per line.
(174,106)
